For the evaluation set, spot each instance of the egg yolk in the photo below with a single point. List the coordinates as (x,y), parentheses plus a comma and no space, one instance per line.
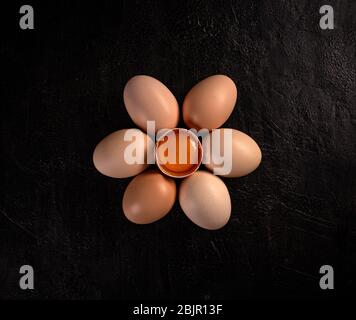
(181,160)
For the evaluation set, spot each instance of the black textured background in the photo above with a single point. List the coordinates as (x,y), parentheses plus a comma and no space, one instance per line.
(62,89)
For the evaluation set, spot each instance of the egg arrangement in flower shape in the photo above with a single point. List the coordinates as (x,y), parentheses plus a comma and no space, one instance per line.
(203,196)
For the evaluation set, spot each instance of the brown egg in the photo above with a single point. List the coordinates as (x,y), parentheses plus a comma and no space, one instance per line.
(146,98)
(210,102)
(109,154)
(246,154)
(149,197)
(205,200)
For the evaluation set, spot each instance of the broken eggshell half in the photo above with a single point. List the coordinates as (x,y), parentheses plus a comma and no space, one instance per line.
(178,153)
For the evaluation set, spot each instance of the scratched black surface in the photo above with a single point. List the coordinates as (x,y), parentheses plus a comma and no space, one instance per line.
(62,92)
